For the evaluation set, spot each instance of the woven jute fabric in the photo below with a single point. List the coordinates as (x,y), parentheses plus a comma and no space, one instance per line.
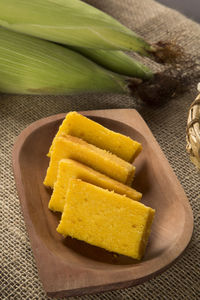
(18,273)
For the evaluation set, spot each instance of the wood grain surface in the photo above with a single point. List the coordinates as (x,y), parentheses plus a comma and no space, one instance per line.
(68,267)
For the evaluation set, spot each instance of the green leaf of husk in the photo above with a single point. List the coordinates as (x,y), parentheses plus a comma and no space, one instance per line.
(29,65)
(117,61)
(70,22)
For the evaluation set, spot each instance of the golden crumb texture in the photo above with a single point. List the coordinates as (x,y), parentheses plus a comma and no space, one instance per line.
(94,133)
(67,146)
(106,219)
(68,169)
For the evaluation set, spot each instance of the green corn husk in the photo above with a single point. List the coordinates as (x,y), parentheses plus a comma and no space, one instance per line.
(117,61)
(70,22)
(32,66)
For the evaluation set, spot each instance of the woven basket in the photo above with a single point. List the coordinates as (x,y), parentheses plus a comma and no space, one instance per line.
(193,131)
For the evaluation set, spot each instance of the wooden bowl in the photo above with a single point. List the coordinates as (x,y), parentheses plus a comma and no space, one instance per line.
(68,267)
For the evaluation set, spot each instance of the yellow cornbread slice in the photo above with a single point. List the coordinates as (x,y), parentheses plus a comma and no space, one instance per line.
(96,158)
(106,219)
(92,132)
(68,169)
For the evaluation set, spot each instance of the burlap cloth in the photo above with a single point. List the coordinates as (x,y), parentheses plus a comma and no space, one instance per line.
(18,273)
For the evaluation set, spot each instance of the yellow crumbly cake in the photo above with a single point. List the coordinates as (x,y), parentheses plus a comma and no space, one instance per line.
(106,219)
(72,169)
(92,132)
(96,158)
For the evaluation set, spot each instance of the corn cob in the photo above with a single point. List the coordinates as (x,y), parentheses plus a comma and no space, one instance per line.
(70,22)
(116,61)
(32,66)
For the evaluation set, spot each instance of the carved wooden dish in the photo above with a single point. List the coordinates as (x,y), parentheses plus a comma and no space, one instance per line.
(68,267)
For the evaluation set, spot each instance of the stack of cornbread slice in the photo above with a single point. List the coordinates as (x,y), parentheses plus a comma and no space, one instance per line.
(91,172)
